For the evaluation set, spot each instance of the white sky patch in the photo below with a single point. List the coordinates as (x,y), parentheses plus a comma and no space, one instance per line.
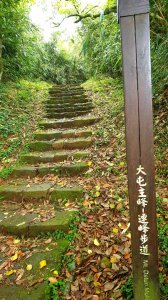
(42,14)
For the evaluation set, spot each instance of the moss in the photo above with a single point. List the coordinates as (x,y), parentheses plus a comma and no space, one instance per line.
(72,144)
(17,224)
(66,194)
(40,146)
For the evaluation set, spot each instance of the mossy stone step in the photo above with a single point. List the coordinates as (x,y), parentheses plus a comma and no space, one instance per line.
(39,191)
(28,290)
(21,292)
(68,106)
(41,146)
(77,143)
(66,193)
(66,90)
(67,93)
(67,101)
(69,123)
(65,87)
(61,109)
(54,115)
(25,191)
(57,169)
(29,226)
(58,134)
(52,156)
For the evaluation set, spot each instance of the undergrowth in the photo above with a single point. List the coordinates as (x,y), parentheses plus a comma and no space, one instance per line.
(20,109)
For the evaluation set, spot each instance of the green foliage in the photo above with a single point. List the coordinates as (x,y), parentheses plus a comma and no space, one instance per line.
(159,44)
(127,289)
(26,55)
(102,46)
(55,291)
(57,66)
(19,39)
(20,108)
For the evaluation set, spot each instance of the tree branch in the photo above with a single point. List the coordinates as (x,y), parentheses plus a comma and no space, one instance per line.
(80,17)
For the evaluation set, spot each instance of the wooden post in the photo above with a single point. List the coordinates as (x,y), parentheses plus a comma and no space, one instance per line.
(134,22)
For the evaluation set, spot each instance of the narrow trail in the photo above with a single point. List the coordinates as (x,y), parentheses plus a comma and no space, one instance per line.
(33,199)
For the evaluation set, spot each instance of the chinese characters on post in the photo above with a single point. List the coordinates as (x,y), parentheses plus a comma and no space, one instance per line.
(142,201)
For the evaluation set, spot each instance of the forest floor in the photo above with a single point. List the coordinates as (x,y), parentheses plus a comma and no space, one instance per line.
(97,264)
(101,251)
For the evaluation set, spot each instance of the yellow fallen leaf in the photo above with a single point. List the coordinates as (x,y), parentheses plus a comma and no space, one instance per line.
(96,283)
(29,267)
(112,205)
(66,204)
(97,194)
(115,230)
(115,258)
(43,264)
(16,241)
(89,163)
(14,257)
(97,187)
(9,273)
(55,272)
(96,242)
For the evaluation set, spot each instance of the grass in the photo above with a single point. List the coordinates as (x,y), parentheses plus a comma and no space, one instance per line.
(20,109)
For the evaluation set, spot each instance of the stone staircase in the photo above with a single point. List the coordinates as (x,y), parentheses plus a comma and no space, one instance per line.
(59,149)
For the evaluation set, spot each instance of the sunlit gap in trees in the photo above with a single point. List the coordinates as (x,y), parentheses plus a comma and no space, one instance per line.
(43,14)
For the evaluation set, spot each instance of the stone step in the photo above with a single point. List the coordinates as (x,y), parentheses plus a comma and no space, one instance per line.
(52,156)
(64,144)
(29,225)
(71,144)
(69,123)
(54,115)
(61,108)
(70,92)
(41,191)
(66,89)
(67,86)
(68,95)
(65,169)
(29,291)
(67,101)
(58,134)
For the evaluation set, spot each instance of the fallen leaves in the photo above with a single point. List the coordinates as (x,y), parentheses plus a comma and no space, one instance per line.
(42,264)
(96,242)
(115,230)
(9,273)
(16,241)
(52,280)
(29,267)
(14,257)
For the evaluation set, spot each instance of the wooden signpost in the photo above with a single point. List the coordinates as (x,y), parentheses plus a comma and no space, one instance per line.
(134,22)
